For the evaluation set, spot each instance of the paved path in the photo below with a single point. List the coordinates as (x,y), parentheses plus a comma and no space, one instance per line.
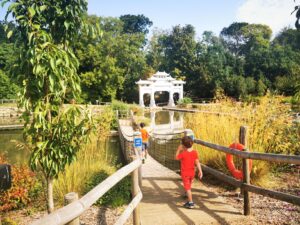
(162,200)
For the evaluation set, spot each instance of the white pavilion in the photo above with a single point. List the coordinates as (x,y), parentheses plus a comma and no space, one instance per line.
(161,81)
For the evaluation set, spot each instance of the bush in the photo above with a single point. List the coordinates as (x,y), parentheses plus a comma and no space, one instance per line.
(8,221)
(136,109)
(104,122)
(184,102)
(119,195)
(118,105)
(24,188)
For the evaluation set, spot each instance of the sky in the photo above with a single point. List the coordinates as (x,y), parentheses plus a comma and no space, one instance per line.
(211,15)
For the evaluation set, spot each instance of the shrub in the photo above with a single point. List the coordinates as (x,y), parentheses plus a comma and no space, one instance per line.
(184,102)
(117,196)
(8,221)
(118,105)
(104,122)
(137,110)
(24,185)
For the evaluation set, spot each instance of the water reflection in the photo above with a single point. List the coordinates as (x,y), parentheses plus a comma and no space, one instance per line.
(166,131)
(9,142)
(166,122)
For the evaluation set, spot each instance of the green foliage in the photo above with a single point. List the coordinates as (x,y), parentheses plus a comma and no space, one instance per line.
(184,101)
(119,105)
(112,64)
(8,221)
(48,69)
(104,122)
(8,90)
(135,24)
(119,195)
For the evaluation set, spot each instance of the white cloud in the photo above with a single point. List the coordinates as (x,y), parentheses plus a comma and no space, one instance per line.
(275,13)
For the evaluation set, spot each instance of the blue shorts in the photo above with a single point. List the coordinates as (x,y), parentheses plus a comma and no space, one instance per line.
(145,146)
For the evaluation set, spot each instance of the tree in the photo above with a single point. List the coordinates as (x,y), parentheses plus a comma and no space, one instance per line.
(111,65)
(8,89)
(136,23)
(234,37)
(288,38)
(48,68)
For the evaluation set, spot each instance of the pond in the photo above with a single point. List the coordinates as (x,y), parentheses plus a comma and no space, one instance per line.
(10,147)
(11,142)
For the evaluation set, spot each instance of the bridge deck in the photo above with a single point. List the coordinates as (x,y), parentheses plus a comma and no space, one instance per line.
(162,199)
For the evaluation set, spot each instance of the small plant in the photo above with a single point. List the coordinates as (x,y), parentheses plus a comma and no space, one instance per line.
(137,110)
(8,221)
(118,105)
(184,102)
(104,122)
(24,184)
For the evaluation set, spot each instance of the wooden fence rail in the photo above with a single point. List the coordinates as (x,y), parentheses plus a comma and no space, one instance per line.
(72,211)
(245,184)
(292,159)
(75,209)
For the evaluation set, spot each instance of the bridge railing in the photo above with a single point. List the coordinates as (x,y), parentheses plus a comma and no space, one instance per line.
(245,185)
(163,149)
(72,211)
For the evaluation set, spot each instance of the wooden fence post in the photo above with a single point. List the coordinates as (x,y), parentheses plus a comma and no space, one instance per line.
(69,198)
(135,191)
(246,172)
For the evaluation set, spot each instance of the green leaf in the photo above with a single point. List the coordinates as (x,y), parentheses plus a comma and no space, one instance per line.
(52,63)
(30,36)
(51,80)
(9,34)
(43,7)
(20,17)
(31,12)
(66,24)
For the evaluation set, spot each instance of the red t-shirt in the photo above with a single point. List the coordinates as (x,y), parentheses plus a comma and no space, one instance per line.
(187,160)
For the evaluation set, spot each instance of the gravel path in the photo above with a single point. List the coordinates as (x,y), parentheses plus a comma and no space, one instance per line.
(265,210)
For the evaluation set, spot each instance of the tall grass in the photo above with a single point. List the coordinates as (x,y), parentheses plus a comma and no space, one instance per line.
(100,155)
(93,158)
(267,121)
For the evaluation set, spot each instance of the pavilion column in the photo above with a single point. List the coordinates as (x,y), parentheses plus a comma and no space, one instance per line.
(171,99)
(152,100)
(141,102)
(181,93)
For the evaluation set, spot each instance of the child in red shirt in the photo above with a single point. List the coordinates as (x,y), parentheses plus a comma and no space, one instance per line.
(188,159)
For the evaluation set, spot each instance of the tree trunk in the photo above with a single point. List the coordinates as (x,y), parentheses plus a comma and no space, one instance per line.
(50,203)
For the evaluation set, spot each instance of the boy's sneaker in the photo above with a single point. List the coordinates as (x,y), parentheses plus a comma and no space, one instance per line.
(189,205)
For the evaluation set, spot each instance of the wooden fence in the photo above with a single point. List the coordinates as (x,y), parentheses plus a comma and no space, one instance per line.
(3,101)
(245,185)
(72,211)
